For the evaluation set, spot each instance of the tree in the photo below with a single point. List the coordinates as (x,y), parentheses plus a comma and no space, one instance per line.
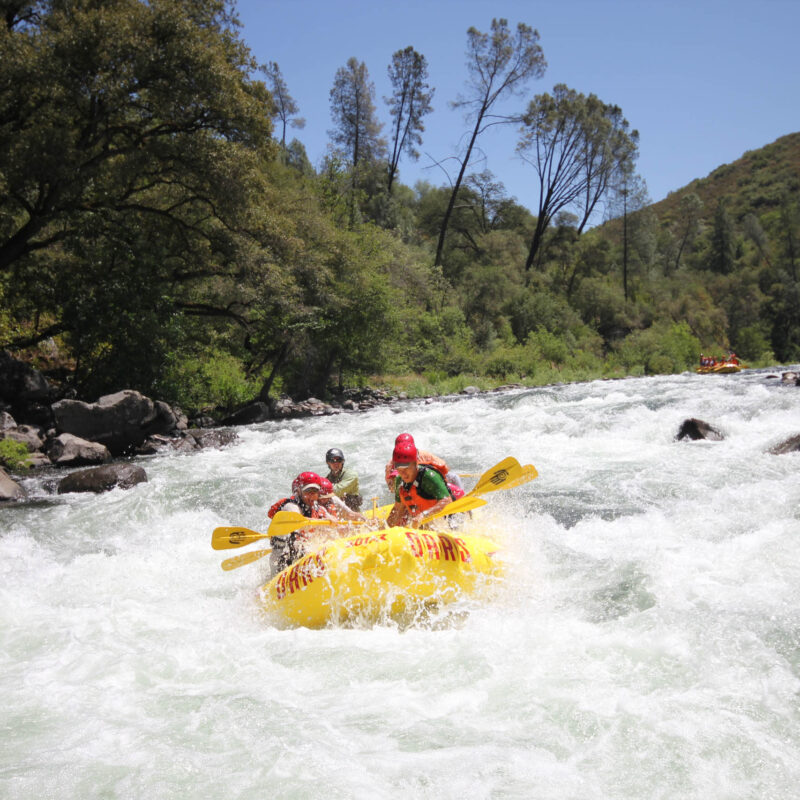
(688,224)
(577,145)
(131,144)
(285,107)
(611,150)
(353,111)
(141,111)
(498,66)
(357,129)
(628,194)
(409,103)
(722,253)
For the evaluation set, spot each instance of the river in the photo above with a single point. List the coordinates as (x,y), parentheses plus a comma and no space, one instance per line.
(645,643)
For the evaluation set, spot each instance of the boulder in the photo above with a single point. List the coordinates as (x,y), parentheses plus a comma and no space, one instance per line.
(66,449)
(792,378)
(28,435)
(791,445)
(6,421)
(249,415)
(286,408)
(9,489)
(102,479)
(212,438)
(188,441)
(20,382)
(698,429)
(120,421)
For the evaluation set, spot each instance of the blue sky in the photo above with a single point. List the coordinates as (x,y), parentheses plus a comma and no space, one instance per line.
(702,81)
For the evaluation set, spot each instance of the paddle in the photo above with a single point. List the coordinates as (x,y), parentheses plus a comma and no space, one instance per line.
(283,523)
(465,503)
(506,479)
(502,475)
(244,558)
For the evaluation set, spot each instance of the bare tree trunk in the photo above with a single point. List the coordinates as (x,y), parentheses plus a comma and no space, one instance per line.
(454,193)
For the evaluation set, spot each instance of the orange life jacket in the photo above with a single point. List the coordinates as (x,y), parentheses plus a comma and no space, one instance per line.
(410,495)
(427,459)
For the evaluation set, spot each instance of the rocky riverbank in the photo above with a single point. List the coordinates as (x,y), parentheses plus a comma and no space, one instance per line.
(61,431)
(97,438)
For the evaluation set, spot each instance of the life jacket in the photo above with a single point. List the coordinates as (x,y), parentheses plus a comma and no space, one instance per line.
(424,458)
(293,546)
(307,511)
(455,491)
(412,498)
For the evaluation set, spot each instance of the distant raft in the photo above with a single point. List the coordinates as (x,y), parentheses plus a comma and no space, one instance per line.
(721,368)
(389,574)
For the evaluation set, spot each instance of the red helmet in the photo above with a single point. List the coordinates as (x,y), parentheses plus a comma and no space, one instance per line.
(325,487)
(404,437)
(304,481)
(404,453)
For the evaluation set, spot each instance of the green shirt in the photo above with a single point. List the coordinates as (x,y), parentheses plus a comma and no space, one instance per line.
(430,484)
(346,482)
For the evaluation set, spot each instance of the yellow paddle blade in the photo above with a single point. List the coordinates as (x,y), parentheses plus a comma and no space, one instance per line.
(466,503)
(497,477)
(244,558)
(230,536)
(284,522)
(379,513)
(526,474)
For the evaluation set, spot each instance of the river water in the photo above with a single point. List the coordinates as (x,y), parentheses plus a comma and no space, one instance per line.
(645,643)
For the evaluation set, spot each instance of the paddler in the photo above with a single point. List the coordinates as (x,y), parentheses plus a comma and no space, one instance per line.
(452,479)
(344,479)
(420,491)
(304,500)
(335,505)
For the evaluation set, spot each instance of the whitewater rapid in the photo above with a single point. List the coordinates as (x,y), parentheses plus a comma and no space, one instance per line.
(645,644)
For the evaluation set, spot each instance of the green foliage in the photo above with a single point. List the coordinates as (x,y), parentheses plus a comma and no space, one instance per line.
(150,222)
(752,344)
(663,348)
(14,455)
(214,380)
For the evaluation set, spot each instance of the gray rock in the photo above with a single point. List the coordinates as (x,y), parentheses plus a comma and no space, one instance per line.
(70,450)
(249,415)
(790,445)
(28,435)
(9,489)
(20,381)
(102,479)
(120,421)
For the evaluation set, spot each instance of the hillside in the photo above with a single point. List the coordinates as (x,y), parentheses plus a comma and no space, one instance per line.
(753,183)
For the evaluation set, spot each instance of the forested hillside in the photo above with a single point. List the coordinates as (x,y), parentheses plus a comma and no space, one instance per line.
(161,229)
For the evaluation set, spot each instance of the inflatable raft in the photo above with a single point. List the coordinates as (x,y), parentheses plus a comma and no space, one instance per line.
(724,368)
(389,574)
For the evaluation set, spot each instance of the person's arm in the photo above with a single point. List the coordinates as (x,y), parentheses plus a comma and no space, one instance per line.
(344,512)
(396,515)
(433,484)
(421,519)
(389,477)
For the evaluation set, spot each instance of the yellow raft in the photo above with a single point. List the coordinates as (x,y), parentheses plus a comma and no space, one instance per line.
(389,574)
(723,368)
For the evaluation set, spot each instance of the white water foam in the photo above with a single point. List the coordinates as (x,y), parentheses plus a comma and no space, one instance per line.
(646,642)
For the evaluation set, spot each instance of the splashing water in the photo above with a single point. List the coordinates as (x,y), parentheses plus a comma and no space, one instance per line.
(645,644)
